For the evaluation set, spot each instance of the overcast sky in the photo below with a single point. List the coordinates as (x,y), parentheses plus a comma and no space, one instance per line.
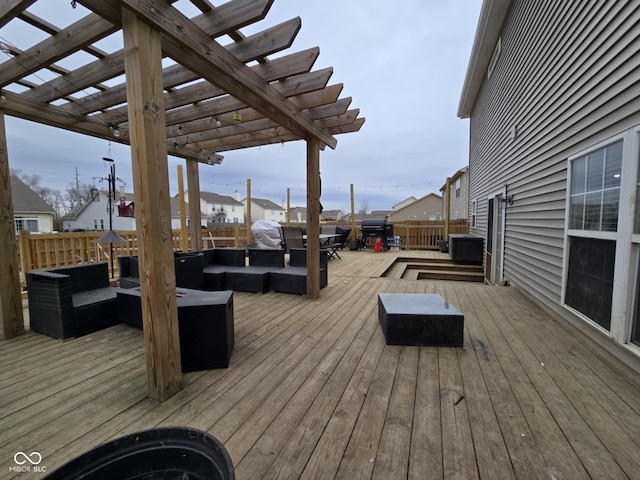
(403,63)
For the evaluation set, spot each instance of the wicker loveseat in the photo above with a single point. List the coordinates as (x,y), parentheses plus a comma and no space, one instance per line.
(71,301)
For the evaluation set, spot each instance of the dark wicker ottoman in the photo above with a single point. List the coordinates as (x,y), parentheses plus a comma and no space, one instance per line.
(205,320)
(420,319)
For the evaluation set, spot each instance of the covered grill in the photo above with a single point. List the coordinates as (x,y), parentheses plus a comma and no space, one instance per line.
(376,227)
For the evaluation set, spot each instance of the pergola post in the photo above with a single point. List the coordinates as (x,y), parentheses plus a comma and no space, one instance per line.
(313,217)
(11,317)
(447,208)
(146,109)
(193,194)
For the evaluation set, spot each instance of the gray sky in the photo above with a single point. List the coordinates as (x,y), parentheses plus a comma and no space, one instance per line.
(403,63)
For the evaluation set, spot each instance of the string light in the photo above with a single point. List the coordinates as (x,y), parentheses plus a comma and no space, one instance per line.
(237,118)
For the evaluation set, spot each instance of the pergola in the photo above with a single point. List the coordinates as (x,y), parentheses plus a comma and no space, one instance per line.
(209,99)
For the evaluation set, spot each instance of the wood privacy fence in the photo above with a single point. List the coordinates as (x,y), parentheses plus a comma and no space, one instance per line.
(53,250)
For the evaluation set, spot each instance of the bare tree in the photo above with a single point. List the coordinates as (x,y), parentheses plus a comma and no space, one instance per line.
(364,206)
(76,196)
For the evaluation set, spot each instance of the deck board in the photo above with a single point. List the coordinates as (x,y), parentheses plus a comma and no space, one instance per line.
(313,392)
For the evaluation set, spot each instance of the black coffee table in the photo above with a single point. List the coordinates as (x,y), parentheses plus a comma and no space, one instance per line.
(419,319)
(205,320)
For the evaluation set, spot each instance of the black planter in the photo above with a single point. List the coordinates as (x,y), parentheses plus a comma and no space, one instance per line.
(161,453)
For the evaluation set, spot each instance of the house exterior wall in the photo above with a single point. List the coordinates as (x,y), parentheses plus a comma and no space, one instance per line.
(45,220)
(260,213)
(566,80)
(459,207)
(232,213)
(95,217)
(425,208)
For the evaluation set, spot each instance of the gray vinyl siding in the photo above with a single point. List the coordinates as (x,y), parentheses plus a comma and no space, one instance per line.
(567,78)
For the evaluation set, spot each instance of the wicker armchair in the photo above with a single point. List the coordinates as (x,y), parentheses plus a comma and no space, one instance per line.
(71,301)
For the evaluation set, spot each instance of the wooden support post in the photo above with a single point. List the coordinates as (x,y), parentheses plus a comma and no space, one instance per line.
(248,219)
(447,194)
(184,232)
(288,206)
(25,253)
(313,217)
(143,67)
(11,317)
(195,214)
(354,235)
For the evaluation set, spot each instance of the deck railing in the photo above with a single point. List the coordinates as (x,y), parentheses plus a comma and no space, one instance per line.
(53,250)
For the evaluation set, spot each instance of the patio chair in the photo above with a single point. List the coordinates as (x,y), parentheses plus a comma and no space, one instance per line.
(71,301)
(292,237)
(293,278)
(336,241)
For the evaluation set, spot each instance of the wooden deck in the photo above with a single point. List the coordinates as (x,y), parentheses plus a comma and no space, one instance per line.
(313,392)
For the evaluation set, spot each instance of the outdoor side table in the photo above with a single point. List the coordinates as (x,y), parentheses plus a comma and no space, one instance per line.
(420,319)
(205,321)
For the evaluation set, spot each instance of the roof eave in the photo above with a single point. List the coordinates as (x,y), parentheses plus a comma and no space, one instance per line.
(490,23)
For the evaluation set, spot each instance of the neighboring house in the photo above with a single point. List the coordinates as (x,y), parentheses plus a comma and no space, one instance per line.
(552,93)
(298,215)
(404,203)
(175,214)
(331,215)
(360,216)
(459,201)
(220,209)
(263,209)
(94,215)
(379,213)
(428,207)
(30,212)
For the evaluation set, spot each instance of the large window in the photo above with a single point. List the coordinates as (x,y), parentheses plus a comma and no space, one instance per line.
(593,212)
(26,223)
(595,190)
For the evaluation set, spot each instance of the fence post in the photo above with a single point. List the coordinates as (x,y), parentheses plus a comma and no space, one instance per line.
(25,253)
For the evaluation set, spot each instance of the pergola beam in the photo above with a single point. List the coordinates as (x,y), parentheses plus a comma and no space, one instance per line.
(18,106)
(69,40)
(113,65)
(303,84)
(193,48)
(177,74)
(10,8)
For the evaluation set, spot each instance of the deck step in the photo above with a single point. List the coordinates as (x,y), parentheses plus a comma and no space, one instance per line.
(460,276)
(445,266)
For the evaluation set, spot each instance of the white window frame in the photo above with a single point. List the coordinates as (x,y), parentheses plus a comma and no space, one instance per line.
(627,244)
(24,221)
